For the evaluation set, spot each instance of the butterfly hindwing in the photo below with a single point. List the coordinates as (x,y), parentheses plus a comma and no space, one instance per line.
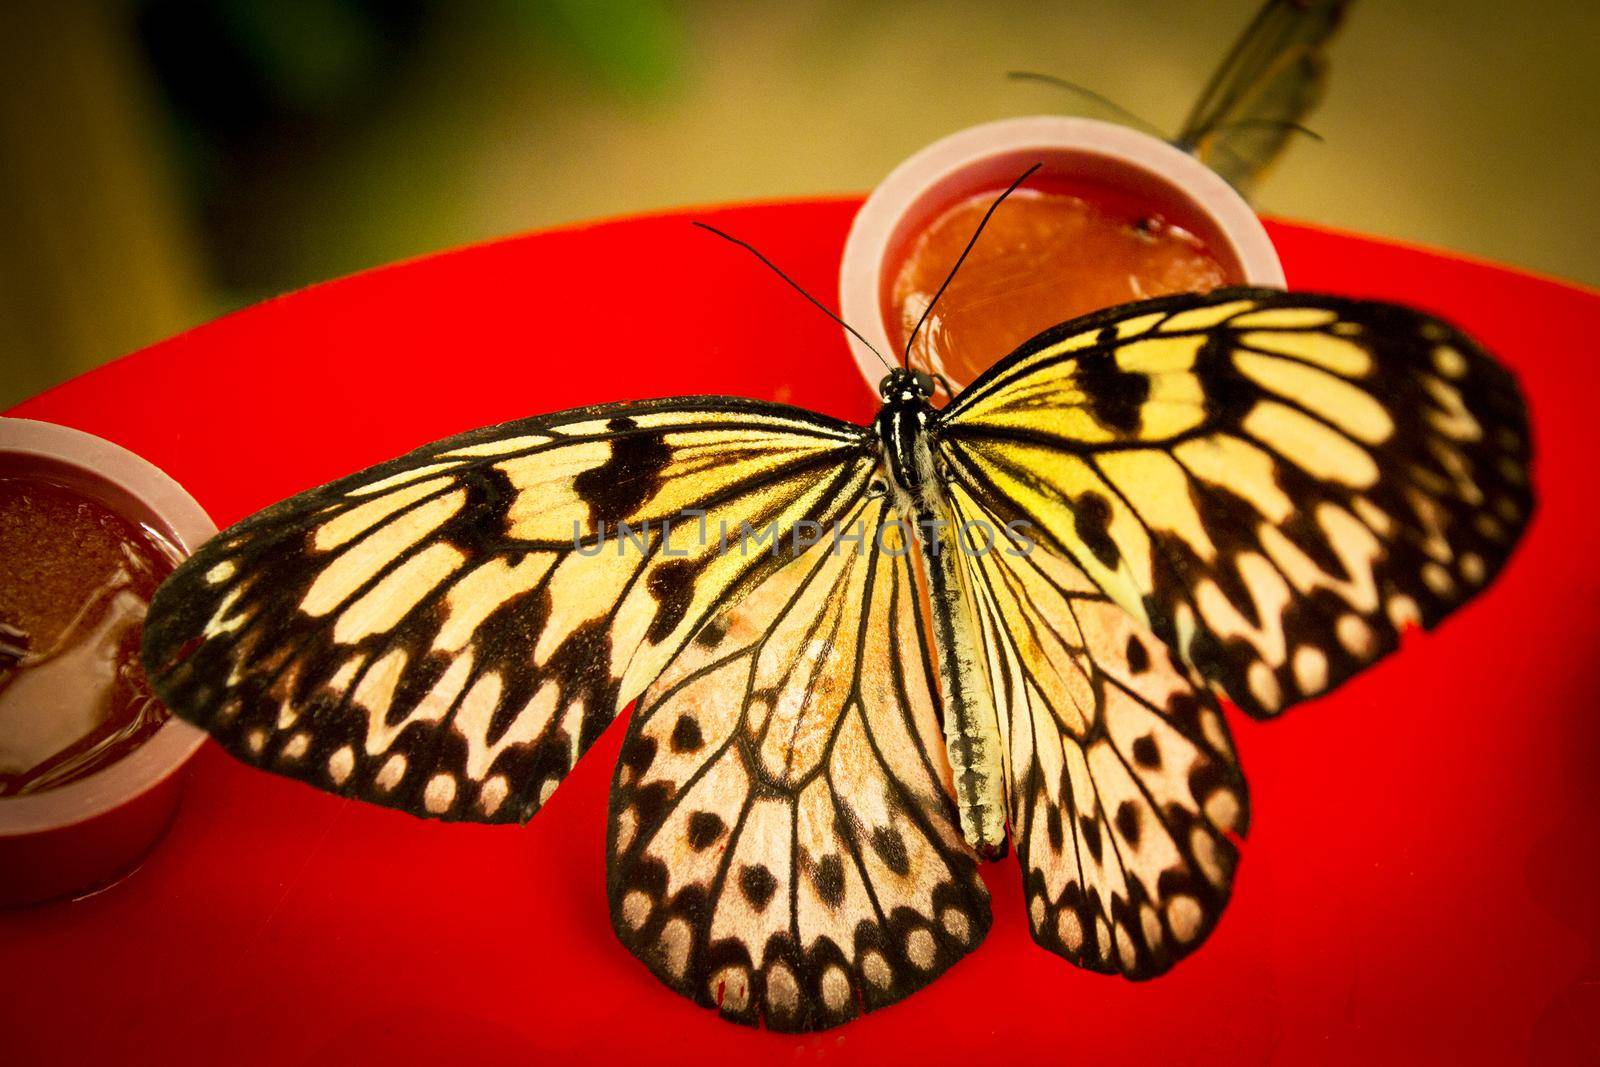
(783,844)
(1124,791)
(1273,483)
(446,633)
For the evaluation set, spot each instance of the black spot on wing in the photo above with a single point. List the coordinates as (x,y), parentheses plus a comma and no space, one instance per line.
(1138,657)
(1128,822)
(1116,397)
(672,586)
(479,526)
(891,848)
(638,754)
(705,827)
(630,475)
(1053,828)
(686,736)
(757,884)
(1091,520)
(1229,397)
(1090,829)
(712,632)
(829,877)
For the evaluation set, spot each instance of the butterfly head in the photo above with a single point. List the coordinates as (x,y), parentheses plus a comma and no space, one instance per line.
(905,386)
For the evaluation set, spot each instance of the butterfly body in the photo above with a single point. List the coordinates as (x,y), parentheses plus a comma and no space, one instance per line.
(972,735)
(1246,494)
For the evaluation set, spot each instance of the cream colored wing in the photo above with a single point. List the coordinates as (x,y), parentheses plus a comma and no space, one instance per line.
(447,633)
(1124,793)
(783,844)
(1274,483)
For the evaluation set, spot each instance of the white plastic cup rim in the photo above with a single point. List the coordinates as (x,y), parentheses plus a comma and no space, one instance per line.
(186,525)
(987,157)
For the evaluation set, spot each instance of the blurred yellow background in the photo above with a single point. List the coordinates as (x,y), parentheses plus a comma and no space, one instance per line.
(164,161)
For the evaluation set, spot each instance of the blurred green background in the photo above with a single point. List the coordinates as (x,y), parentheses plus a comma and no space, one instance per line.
(162,161)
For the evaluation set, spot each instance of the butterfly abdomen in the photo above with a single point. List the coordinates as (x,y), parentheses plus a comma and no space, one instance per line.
(972,727)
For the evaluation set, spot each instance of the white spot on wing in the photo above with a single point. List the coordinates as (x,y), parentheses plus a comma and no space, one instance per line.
(340,764)
(1310,669)
(1184,917)
(835,989)
(394,769)
(920,948)
(1070,929)
(783,994)
(440,793)
(493,794)
(730,987)
(635,909)
(876,969)
(675,939)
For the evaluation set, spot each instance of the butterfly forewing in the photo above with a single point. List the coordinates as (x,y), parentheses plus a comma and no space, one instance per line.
(1123,787)
(783,845)
(1273,483)
(447,633)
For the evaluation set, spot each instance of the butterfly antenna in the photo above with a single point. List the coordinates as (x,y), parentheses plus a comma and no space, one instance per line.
(1088,94)
(748,247)
(1277,124)
(905,357)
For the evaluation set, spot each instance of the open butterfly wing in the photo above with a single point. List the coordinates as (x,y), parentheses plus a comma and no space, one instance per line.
(1270,484)
(783,843)
(1274,75)
(447,633)
(1123,786)
(1273,483)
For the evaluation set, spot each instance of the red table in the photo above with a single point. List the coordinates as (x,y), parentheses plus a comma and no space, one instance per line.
(1422,878)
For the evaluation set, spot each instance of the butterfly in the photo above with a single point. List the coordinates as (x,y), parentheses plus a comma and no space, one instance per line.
(865,659)
(1272,78)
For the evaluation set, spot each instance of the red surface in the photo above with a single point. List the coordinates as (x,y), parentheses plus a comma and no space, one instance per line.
(1421,877)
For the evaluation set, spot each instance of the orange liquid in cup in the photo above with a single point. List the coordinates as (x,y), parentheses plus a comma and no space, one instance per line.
(1044,258)
(75,582)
